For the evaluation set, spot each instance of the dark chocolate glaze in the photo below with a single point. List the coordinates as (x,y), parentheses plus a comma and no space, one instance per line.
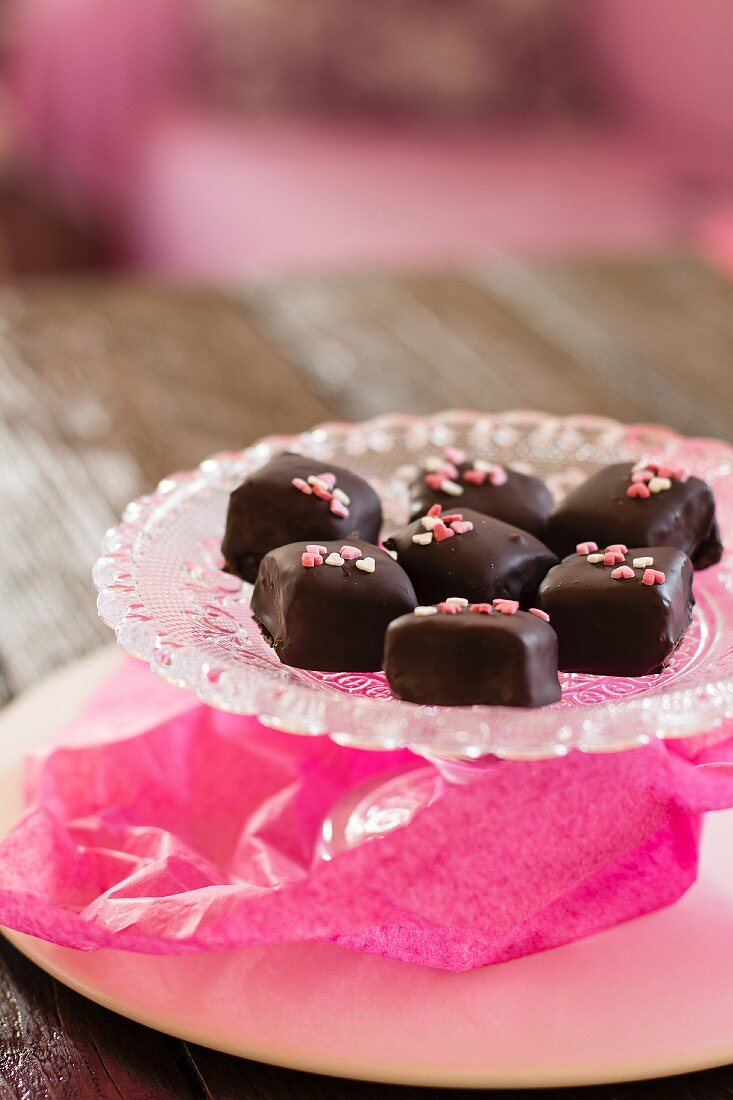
(329,618)
(465,659)
(492,560)
(618,627)
(522,501)
(268,511)
(599,510)
(710,550)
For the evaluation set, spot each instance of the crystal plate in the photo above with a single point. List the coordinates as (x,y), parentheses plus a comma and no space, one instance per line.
(162,591)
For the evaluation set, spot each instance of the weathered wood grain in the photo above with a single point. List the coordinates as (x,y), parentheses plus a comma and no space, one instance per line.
(57,1046)
(103,390)
(637,340)
(105,387)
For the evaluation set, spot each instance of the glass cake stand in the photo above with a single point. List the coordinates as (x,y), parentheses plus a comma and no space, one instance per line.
(162,591)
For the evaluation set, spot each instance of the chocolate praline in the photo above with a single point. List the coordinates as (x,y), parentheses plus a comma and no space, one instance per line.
(492,559)
(519,499)
(463,659)
(600,509)
(267,510)
(330,618)
(618,627)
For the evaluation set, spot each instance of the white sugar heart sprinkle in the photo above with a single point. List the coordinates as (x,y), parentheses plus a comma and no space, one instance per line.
(429,522)
(342,496)
(452,488)
(425,611)
(659,484)
(594,559)
(642,563)
(482,465)
(392,553)
(335,559)
(640,465)
(434,463)
(367,565)
(459,600)
(423,539)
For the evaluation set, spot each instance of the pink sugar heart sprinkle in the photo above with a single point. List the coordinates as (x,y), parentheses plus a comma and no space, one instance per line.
(304,487)
(450,608)
(638,489)
(338,509)
(316,548)
(613,558)
(448,471)
(328,479)
(617,548)
(642,475)
(665,469)
(454,454)
(586,548)
(321,493)
(434,481)
(475,477)
(539,613)
(452,517)
(623,573)
(653,576)
(441,532)
(318,559)
(505,606)
(308,560)
(462,527)
(498,476)
(481,608)
(350,553)
(435,510)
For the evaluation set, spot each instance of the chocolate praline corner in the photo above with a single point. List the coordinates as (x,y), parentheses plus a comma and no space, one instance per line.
(519,499)
(330,617)
(489,559)
(681,514)
(622,624)
(269,510)
(466,659)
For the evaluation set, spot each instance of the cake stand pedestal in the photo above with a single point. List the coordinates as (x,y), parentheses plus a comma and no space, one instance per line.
(645,999)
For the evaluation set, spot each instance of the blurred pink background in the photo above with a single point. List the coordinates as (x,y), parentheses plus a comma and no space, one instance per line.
(239,138)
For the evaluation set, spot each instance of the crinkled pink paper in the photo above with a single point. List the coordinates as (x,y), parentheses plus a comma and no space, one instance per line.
(156,824)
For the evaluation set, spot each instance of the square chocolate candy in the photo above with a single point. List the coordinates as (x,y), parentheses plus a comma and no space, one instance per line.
(491,654)
(456,481)
(458,552)
(619,612)
(326,606)
(641,505)
(295,498)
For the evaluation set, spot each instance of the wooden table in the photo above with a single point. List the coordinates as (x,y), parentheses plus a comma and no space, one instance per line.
(106,386)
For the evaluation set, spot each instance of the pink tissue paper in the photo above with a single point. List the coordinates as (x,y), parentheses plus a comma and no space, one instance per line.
(156,824)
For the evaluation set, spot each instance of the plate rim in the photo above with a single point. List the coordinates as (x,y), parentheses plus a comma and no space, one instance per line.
(436,1077)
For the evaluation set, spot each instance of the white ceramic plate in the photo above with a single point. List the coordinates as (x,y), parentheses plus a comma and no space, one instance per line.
(648,998)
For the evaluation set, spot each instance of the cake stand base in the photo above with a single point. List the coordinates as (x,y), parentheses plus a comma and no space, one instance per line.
(645,999)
